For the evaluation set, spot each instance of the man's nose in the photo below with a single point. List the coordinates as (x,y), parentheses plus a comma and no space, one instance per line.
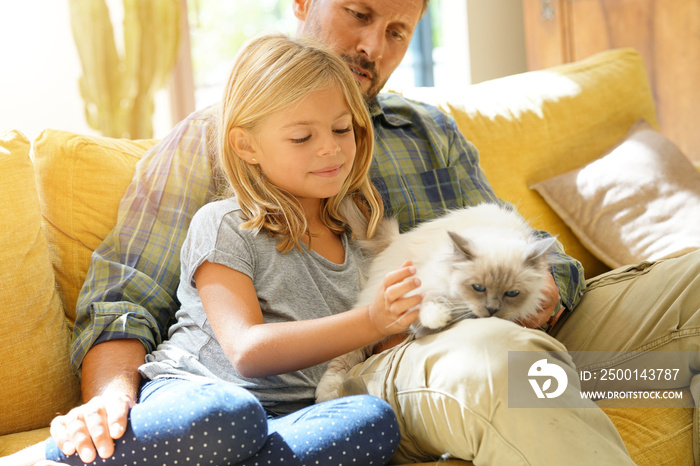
(372,42)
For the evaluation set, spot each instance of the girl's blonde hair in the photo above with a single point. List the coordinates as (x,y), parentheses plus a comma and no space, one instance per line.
(270,73)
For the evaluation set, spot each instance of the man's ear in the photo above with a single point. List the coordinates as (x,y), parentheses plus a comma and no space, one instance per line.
(242,144)
(301,8)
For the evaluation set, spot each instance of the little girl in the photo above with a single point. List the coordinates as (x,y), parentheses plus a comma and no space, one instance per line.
(265,275)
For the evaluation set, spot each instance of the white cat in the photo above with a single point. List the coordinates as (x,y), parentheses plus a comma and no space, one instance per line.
(475,262)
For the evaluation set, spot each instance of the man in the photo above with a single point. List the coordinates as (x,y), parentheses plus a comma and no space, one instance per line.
(422,166)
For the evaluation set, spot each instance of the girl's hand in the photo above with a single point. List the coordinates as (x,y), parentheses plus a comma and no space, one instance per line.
(392,311)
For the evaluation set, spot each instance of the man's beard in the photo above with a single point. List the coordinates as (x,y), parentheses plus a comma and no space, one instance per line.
(368,68)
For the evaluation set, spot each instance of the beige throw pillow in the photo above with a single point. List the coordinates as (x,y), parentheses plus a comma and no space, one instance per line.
(640,201)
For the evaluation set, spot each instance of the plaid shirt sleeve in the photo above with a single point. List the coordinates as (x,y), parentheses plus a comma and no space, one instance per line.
(133,276)
(424,165)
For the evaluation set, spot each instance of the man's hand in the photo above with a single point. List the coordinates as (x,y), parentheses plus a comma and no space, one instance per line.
(110,386)
(93,426)
(551,300)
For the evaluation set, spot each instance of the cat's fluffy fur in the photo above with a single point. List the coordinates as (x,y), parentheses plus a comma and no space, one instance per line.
(479,261)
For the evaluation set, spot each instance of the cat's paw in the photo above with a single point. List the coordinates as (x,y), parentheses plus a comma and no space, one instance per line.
(328,387)
(434,315)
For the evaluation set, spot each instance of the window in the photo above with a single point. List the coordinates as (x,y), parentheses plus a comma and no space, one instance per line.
(218,28)
(418,66)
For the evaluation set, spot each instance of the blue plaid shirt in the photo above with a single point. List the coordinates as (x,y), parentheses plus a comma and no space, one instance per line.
(422,166)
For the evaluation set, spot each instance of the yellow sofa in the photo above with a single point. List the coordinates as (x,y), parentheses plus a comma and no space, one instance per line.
(59,202)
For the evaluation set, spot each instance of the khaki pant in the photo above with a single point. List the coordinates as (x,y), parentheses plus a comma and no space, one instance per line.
(450,390)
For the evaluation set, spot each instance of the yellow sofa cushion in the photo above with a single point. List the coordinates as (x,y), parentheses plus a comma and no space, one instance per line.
(37,378)
(12,443)
(653,435)
(533,126)
(81,180)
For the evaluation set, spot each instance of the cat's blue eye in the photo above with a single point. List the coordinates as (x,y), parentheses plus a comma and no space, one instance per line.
(479,288)
(512,294)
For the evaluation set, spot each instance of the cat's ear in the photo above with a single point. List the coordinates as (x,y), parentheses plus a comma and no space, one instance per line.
(462,245)
(539,249)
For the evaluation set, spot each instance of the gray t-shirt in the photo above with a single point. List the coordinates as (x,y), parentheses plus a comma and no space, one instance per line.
(290,287)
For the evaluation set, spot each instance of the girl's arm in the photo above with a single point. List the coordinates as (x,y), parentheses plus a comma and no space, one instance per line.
(257,349)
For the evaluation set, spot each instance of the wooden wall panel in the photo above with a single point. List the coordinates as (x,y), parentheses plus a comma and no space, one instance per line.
(666,33)
(545,43)
(677,72)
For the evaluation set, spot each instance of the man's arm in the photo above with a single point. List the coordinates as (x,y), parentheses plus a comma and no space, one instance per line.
(112,367)
(568,275)
(128,299)
(130,288)
(110,388)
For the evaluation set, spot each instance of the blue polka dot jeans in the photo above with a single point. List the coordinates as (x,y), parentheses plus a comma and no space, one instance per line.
(180,422)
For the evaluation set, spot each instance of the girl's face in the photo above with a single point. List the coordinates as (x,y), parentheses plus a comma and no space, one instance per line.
(308,148)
